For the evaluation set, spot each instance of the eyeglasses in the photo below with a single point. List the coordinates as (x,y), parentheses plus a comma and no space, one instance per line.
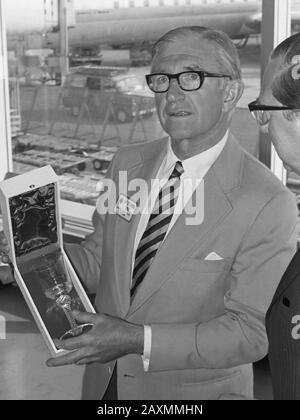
(258,111)
(187,80)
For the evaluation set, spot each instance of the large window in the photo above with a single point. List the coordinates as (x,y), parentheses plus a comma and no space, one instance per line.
(74,115)
(74,100)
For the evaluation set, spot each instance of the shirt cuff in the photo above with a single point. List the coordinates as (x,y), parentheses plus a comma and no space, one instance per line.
(147,347)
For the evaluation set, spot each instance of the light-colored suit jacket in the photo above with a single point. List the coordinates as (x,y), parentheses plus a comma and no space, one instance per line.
(207,316)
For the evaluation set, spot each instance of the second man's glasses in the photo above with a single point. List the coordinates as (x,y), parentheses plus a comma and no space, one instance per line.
(187,80)
(259,111)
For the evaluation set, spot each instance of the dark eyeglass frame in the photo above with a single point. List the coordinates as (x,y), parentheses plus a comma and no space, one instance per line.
(254,106)
(202,74)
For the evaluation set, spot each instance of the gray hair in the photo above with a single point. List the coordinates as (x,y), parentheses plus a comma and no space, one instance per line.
(286,84)
(226,53)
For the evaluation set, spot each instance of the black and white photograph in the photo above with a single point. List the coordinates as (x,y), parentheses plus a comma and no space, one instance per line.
(150,202)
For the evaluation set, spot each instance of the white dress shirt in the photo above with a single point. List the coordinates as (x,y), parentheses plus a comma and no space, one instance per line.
(195,169)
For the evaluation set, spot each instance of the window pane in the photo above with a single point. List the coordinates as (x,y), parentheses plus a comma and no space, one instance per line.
(75,124)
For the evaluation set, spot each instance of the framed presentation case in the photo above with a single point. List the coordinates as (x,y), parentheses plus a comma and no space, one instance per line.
(48,282)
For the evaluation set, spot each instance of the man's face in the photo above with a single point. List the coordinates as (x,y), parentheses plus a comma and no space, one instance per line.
(266,97)
(190,116)
(283,126)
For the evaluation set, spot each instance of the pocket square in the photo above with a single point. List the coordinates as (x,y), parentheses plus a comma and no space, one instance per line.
(213,256)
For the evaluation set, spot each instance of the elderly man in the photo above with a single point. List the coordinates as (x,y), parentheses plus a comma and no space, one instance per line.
(278,111)
(188,267)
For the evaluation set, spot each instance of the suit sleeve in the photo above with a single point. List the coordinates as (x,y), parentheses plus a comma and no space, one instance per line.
(238,336)
(86,258)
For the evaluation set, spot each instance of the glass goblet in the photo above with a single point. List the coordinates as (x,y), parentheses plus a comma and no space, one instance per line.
(57,285)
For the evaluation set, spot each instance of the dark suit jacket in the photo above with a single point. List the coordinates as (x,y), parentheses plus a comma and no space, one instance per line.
(283,329)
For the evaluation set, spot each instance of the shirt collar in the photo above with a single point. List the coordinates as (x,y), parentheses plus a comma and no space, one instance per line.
(199,163)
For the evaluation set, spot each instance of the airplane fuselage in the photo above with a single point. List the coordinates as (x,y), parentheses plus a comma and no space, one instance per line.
(146,24)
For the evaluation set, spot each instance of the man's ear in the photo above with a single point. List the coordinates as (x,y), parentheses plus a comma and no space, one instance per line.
(232,93)
(295,59)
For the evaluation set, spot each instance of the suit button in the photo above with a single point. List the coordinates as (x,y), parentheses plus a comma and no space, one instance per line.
(286,301)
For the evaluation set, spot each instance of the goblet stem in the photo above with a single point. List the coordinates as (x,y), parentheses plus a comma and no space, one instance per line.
(70,317)
(64,301)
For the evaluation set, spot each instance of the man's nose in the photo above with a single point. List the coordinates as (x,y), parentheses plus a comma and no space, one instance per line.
(174,92)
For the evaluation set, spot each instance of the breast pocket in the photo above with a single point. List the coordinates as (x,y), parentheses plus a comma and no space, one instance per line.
(205,266)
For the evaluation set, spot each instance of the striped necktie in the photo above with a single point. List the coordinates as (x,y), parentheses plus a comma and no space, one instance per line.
(157,227)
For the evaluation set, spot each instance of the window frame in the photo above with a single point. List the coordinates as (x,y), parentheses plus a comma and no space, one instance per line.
(5,130)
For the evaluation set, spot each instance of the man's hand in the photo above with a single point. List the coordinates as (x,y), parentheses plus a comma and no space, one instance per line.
(108,339)
(6,275)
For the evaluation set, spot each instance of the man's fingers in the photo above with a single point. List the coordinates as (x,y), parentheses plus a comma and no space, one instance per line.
(67,359)
(6,275)
(87,360)
(3,240)
(4,249)
(56,342)
(4,258)
(73,343)
(85,317)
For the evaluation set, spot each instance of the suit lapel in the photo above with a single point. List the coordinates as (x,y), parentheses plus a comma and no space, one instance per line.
(184,239)
(125,232)
(181,241)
